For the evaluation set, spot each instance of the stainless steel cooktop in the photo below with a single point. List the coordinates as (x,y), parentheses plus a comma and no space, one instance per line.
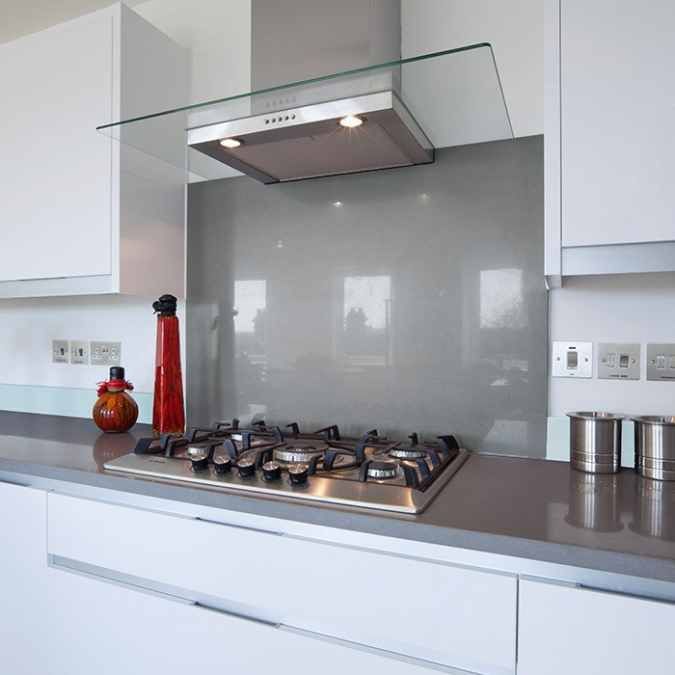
(369,472)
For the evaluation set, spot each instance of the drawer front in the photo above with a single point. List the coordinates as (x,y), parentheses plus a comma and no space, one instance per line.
(453,616)
(565,630)
(114,629)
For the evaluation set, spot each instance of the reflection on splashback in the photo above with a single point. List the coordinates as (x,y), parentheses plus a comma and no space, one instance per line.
(407,300)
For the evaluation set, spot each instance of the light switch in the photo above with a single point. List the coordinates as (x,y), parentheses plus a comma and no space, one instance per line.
(572,359)
(60,351)
(618,361)
(661,362)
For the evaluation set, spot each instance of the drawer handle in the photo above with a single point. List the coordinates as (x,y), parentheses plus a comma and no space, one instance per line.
(146,586)
(237,615)
(14,482)
(241,527)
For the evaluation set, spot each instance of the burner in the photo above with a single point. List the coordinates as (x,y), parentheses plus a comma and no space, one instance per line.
(297,453)
(407,452)
(382,470)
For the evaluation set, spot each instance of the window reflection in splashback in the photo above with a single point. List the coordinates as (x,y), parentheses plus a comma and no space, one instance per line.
(407,300)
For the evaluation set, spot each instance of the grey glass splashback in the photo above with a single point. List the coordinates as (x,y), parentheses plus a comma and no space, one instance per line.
(406,300)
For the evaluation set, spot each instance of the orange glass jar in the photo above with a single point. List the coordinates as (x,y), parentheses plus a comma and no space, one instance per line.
(115,411)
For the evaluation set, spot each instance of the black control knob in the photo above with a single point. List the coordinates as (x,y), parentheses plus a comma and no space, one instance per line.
(271,470)
(199,459)
(246,467)
(222,464)
(298,473)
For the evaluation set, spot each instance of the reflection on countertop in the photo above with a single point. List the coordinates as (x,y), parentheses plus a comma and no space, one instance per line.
(530,508)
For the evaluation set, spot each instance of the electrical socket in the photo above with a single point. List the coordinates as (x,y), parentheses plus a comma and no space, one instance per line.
(105,353)
(60,351)
(79,352)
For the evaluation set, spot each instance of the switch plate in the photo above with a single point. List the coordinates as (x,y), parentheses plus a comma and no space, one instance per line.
(79,352)
(618,361)
(106,353)
(572,359)
(661,362)
(60,351)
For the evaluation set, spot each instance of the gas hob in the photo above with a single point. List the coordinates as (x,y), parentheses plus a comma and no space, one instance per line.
(323,466)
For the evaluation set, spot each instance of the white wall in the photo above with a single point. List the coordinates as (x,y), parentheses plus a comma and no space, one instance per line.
(514,28)
(27,328)
(623,308)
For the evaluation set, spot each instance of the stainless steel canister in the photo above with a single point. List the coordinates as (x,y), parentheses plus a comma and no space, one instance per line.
(655,447)
(595,441)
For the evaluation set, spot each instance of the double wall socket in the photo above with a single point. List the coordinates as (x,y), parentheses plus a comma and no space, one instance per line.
(661,362)
(106,353)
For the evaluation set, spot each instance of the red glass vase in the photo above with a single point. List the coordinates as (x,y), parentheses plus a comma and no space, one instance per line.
(115,411)
(168,410)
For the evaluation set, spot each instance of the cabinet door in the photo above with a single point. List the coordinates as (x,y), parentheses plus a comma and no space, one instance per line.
(110,629)
(23,580)
(617,106)
(55,170)
(563,630)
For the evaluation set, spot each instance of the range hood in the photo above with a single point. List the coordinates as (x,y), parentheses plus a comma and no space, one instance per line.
(350,122)
(318,107)
(362,133)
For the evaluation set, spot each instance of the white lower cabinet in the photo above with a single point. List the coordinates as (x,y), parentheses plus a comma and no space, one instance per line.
(24,608)
(565,630)
(453,616)
(108,629)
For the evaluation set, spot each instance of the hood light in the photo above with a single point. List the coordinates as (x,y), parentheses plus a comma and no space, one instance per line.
(230,143)
(351,121)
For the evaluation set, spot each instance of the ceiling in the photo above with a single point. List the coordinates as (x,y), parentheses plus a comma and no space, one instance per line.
(21,17)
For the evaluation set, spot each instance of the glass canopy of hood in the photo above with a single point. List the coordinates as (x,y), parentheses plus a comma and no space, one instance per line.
(382,116)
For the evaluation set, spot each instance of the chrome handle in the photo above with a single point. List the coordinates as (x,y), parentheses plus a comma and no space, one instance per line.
(237,615)
(146,586)
(241,527)
(4,481)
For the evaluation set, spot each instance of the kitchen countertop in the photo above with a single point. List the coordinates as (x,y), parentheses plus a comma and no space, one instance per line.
(530,508)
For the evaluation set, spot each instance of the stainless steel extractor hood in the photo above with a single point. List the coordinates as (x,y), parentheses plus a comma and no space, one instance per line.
(318,136)
(310,141)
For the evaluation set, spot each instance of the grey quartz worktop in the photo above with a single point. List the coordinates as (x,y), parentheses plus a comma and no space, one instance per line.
(528,508)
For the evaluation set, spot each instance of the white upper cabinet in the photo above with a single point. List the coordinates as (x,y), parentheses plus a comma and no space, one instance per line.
(81,212)
(609,123)
(617,108)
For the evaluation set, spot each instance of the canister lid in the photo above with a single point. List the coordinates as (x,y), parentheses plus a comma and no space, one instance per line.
(597,416)
(662,420)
